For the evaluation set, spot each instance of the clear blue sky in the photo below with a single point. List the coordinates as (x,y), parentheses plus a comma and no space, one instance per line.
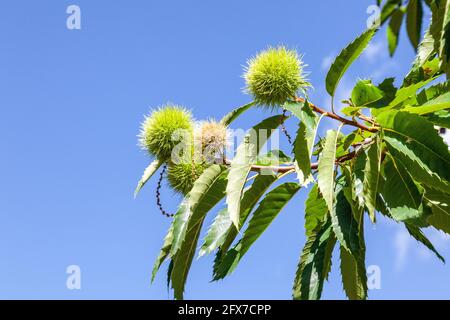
(71,104)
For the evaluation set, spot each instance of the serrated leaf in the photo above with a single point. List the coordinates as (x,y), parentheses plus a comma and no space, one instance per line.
(148,173)
(365,93)
(414,21)
(372,173)
(304,140)
(263,216)
(314,264)
(433,92)
(241,165)
(393,30)
(402,95)
(358,177)
(354,277)
(315,210)
(387,10)
(440,103)
(217,232)
(440,30)
(440,206)
(183,259)
(389,92)
(164,253)
(344,225)
(233,115)
(249,200)
(353,268)
(421,67)
(400,194)
(180,224)
(222,233)
(345,59)
(417,234)
(413,140)
(327,162)
(207,191)
(444,52)
(440,118)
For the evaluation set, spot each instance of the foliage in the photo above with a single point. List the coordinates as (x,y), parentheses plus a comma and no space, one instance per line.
(385,157)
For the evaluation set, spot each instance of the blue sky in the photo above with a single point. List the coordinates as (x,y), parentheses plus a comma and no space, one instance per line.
(71,105)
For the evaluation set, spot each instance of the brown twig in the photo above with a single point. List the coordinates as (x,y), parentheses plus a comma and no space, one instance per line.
(338,118)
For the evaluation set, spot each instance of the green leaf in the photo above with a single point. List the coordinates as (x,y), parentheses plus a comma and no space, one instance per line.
(222,233)
(315,210)
(249,200)
(440,118)
(400,194)
(413,140)
(241,165)
(414,21)
(345,59)
(148,173)
(422,67)
(353,268)
(417,234)
(351,111)
(207,191)
(345,227)
(180,224)
(440,29)
(438,104)
(444,52)
(314,264)
(305,138)
(440,206)
(393,30)
(387,10)
(433,92)
(354,276)
(217,233)
(402,95)
(183,259)
(372,177)
(263,216)
(358,177)
(273,158)
(233,115)
(365,93)
(327,163)
(164,253)
(389,91)
(266,212)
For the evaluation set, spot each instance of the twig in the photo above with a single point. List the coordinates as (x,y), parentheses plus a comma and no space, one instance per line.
(339,118)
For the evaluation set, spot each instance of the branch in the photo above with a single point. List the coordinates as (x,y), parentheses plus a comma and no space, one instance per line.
(314,166)
(338,118)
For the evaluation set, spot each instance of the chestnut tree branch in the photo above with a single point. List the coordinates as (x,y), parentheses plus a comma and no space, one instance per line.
(339,118)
